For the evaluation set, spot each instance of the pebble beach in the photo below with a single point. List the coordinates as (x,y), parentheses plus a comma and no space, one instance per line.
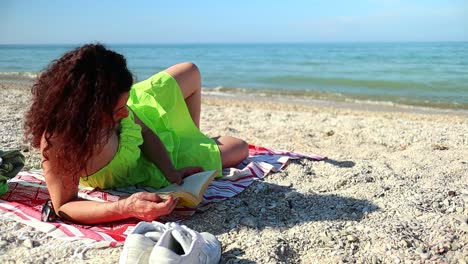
(394,188)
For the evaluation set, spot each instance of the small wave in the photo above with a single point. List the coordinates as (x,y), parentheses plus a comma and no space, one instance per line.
(18,76)
(217,93)
(371,102)
(344,82)
(307,95)
(310,63)
(217,88)
(222,89)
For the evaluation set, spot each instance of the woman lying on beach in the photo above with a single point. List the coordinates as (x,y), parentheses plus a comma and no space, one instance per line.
(95,128)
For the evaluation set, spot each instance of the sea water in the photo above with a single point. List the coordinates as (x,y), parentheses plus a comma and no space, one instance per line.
(412,74)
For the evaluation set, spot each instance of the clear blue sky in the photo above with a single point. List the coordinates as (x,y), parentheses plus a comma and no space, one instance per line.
(203,21)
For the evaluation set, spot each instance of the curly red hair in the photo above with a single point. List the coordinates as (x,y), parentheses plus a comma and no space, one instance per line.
(71,98)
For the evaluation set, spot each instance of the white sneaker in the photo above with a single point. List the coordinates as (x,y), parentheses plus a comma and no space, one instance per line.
(140,242)
(180,244)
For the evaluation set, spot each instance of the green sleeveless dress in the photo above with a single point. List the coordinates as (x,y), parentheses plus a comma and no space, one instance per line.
(159,104)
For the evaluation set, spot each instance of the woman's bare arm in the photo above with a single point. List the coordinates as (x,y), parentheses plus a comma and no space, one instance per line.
(63,190)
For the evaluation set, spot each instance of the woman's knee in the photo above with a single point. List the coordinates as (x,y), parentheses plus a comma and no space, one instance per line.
(190,67)
(187,76)
(233,150)
(184,71)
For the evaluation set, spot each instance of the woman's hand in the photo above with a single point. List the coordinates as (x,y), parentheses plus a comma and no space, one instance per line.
(148,206)
(179,175)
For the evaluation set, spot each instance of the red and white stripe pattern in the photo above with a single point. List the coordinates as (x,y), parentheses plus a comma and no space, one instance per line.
(23,202)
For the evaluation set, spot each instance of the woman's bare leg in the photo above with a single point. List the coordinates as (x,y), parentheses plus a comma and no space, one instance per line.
(188,77)
(233,150)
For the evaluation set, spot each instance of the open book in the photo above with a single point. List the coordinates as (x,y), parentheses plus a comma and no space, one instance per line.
(190,193)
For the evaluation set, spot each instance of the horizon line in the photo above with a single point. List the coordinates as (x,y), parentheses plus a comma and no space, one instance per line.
(241,43)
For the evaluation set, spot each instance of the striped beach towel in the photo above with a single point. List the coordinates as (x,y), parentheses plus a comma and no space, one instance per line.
(28,191)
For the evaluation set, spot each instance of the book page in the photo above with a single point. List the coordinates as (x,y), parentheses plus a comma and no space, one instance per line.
(194,185)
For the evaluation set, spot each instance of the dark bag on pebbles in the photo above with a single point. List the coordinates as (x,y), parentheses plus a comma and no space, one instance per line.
(11,162)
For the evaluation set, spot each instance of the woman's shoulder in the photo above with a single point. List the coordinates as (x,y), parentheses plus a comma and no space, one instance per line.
(51,162)
(49,143)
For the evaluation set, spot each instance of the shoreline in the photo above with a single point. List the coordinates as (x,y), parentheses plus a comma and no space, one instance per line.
(302,102)
(332,104)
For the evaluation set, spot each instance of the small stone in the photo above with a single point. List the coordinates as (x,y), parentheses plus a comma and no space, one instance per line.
(260,188)
(3,243)
(418,213)
(439,147)
(446,202)
(351,238)
(425,255)
(454,246)
(435,205)
(459,209)
(464,227)
(323,189)
(439,197)
(451,193)
(461,218)
(379,194)
(276,188)
(248,221)
(282,249)
(369,179)
(325,239)
(405,243)
(340,243)
(420,250)
(367,247)
(441,249)
(28,243)
(221,207)
(25,148)
(330,133)
(285,183)
(292,195)
(341,183)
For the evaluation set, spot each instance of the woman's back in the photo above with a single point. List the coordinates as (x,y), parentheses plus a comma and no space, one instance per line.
(102,157)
